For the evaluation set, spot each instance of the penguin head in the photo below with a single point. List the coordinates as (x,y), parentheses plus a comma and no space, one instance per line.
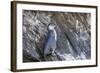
(51,26)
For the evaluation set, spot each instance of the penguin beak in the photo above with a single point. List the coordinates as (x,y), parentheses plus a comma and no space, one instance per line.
(54,26)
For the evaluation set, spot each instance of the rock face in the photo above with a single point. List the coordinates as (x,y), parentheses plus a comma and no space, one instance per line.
(73,35)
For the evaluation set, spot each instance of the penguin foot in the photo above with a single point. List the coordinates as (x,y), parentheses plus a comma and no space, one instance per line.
(53,54)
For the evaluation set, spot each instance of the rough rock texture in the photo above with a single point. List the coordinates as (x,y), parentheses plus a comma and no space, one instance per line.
(73,35)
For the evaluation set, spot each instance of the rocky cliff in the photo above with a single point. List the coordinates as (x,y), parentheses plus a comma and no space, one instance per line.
(73,35)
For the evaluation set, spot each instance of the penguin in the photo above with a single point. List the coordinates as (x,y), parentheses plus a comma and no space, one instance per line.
(51,42)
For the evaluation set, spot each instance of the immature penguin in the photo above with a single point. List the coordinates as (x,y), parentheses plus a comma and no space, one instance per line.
(50,45)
